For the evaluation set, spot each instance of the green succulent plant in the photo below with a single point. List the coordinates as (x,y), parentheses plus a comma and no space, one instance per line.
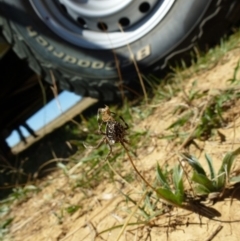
(215,181)
(174,195)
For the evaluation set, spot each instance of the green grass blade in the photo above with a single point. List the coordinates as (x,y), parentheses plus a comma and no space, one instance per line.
(210,166)
(193,162)
(228,161)
(6,223)
(162,178)
(235,75)
(177,179)
(181,121)
(226,166)
(178,183)
(221,180)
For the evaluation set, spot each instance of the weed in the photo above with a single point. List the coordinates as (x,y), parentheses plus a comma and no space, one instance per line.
(215,182)
(180,122)
(207,61)
(235,79)
(210,116)
(167,88)
(172,195)
(21,193)
(194,94)
(72,209)
(4,228)
(59,216)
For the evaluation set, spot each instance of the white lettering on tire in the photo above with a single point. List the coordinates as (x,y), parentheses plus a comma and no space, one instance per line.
(84,63)
(97,65)
(140,54)
(70,59)
(58,54)
(143,53)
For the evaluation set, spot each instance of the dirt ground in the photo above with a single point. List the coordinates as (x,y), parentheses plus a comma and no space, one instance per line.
(43,216)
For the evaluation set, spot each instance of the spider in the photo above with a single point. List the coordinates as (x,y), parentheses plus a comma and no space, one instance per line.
(115,132)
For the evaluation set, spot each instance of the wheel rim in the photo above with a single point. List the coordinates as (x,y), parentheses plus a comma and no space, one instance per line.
(104,24)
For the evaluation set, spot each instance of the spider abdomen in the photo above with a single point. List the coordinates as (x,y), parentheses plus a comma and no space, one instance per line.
(115,132)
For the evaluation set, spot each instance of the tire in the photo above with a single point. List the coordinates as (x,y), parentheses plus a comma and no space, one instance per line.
(52,35)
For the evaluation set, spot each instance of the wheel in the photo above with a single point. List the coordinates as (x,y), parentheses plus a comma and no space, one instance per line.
(85,43)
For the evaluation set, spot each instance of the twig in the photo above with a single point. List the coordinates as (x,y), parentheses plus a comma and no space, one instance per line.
(116,62)
(42,90)
(119,74)
(218,229)
(136,170)
(136,67)
(55,91)
(93,230)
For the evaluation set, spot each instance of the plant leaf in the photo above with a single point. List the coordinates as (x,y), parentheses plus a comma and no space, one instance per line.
(193,162)
(177,179)
(169,196)
(221,180)
(228,161)
(226,166)
(6,223)
(201,190)
(162,178)
(204,181)
(211,168)
(180,197)
(235,179)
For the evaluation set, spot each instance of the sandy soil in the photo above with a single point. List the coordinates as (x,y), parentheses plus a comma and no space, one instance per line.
(43,216)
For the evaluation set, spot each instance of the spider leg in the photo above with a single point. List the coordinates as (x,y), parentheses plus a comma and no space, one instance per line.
(98,114)
(100,122)
(126,125)
(99,129)
(110,149)
(112,113)
(97,146)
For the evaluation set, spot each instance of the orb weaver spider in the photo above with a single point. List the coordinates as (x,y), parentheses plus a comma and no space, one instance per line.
(115,131)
